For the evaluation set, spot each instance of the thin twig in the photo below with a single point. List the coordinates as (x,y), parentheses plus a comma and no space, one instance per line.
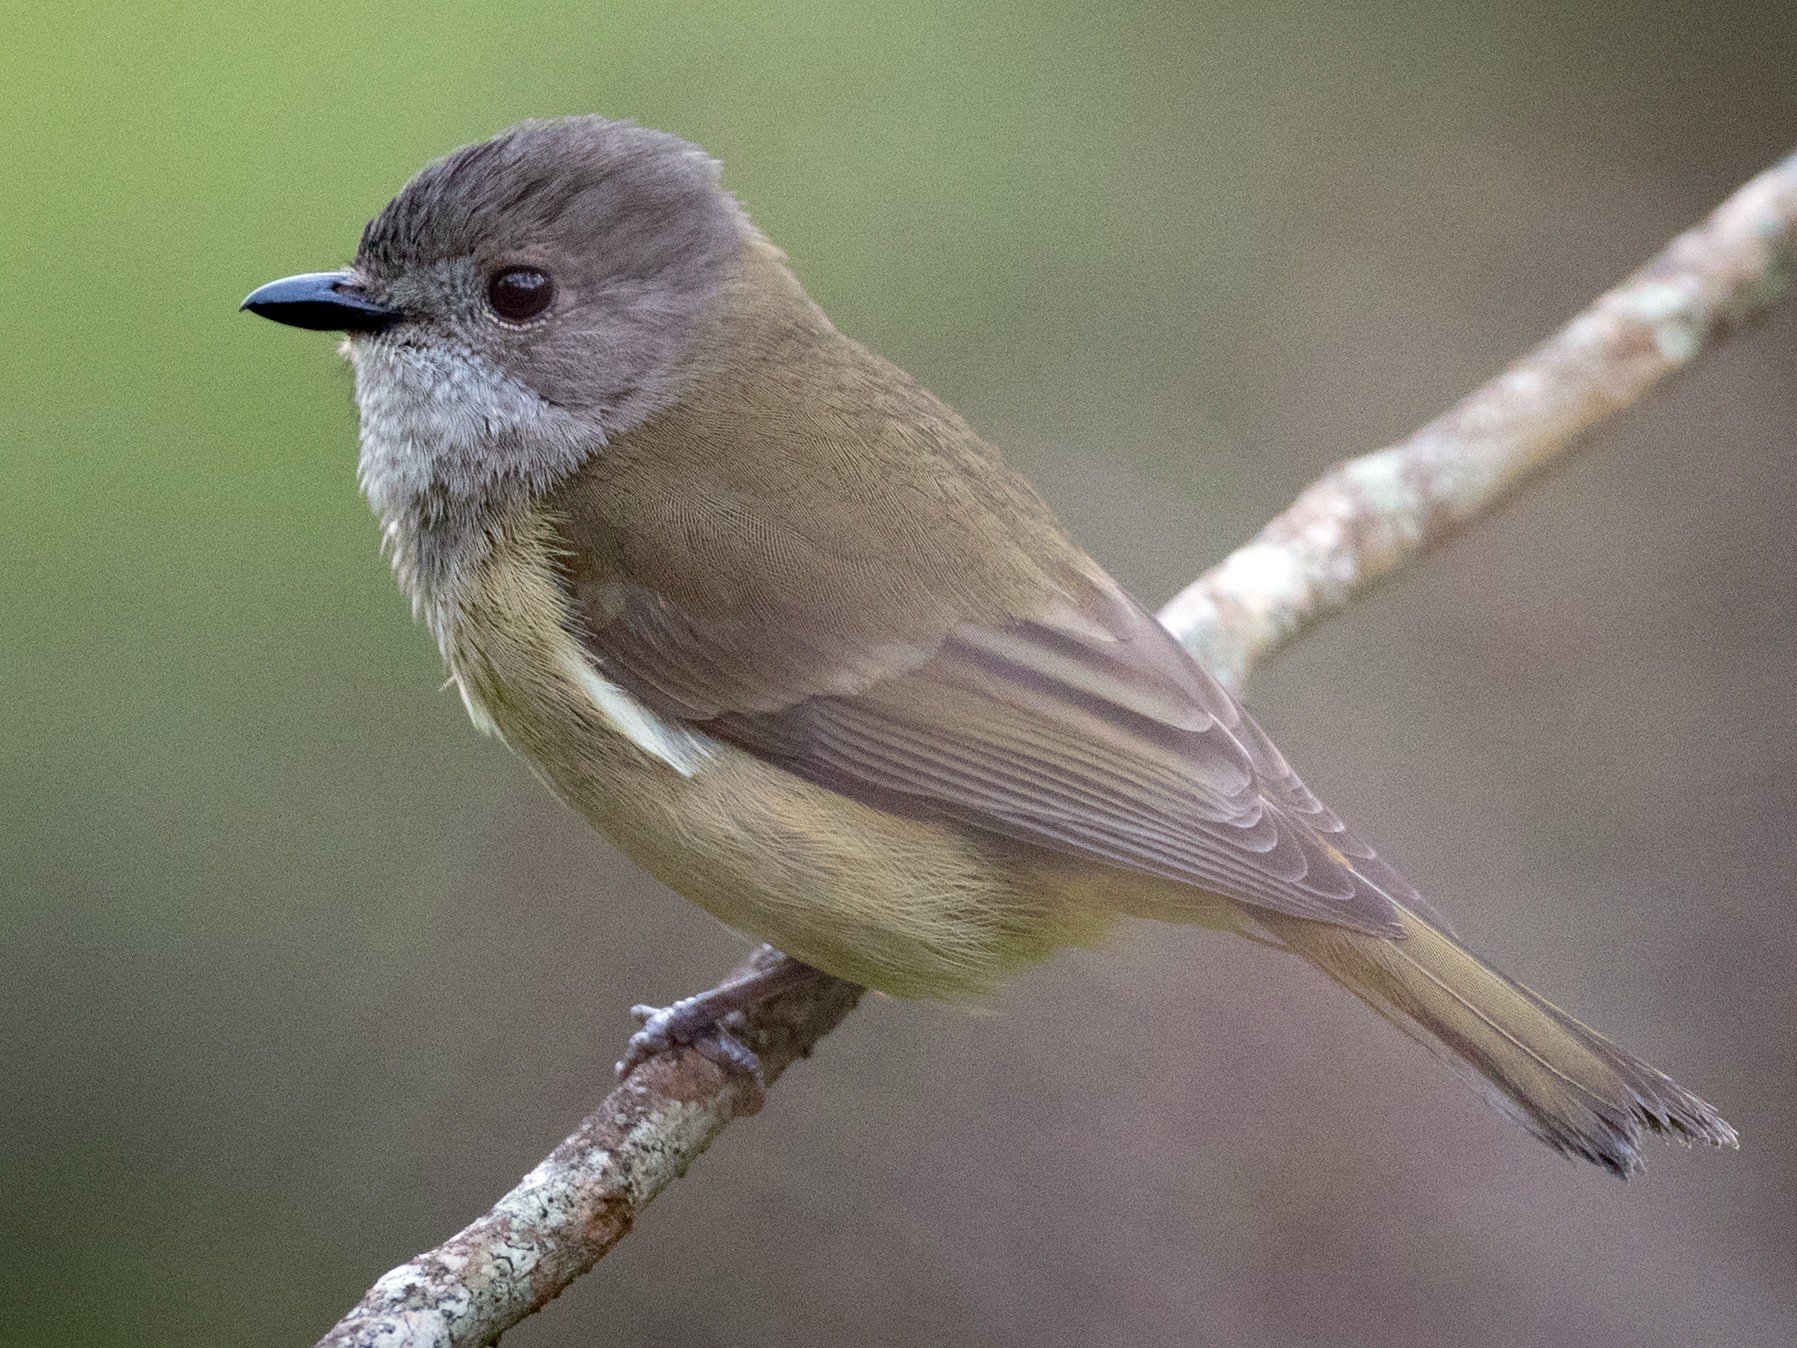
(1350,530)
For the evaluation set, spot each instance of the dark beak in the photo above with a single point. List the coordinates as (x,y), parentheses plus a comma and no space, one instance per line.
(327,301)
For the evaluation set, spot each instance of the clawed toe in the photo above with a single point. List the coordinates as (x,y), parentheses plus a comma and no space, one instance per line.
(695,1025)
(713,1022)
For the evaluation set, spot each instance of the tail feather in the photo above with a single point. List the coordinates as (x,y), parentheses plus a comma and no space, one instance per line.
(1561,1080)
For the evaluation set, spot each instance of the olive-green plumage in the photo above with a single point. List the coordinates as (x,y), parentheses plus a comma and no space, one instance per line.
(786,628)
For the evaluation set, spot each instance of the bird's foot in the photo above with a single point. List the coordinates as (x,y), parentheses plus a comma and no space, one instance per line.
(691,1022)
(711,1021)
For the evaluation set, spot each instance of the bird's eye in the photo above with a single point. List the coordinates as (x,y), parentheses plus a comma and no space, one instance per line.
(519,294)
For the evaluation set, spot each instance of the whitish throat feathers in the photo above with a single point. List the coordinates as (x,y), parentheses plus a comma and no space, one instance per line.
(452,523)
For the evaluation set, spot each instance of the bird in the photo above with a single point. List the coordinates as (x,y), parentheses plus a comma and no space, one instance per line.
(781,624)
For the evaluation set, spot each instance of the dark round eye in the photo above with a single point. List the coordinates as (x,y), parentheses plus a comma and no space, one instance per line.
(519,294)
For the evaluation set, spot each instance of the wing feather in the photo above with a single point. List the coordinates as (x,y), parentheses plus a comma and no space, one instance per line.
(1088,731)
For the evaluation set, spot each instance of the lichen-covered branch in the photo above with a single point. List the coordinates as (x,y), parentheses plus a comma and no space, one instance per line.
(583,1198)
(1355,526)
(1367,517)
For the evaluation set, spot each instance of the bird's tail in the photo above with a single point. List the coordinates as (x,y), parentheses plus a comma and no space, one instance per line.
(1565,1083)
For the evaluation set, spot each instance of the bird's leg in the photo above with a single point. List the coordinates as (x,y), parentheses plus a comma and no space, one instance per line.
(707,1021)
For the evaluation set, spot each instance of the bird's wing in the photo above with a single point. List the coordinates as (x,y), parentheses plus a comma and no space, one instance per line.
(1087,729)
(821,563)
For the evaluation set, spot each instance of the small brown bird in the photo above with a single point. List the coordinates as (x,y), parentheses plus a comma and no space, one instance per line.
(784,627)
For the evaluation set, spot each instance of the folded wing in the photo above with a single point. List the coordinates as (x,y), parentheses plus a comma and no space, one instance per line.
(1089,730)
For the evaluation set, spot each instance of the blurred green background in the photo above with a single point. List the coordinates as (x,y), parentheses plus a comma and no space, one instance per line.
(298,973)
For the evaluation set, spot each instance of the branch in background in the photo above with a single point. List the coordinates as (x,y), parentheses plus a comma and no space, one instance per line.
(1355,526)
(1367,517)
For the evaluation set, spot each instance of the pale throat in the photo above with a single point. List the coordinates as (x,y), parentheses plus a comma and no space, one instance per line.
(454,455)
(451,445)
